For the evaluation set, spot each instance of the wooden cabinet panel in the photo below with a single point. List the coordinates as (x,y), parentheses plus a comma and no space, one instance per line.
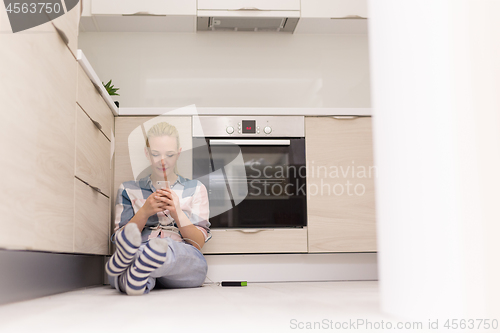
(263,241)
(93,104)
(340,178)
(91,232)
(334,8)
(68,23)
(92,153)
(156,7)
(37,140)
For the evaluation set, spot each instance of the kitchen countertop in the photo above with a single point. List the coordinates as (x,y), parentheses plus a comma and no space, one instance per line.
(191,110)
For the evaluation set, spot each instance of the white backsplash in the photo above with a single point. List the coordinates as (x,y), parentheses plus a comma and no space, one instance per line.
(232,69)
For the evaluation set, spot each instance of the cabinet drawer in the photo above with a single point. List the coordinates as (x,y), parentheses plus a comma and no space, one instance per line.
(93,104)
(92,220)
(263,241)
(92,153)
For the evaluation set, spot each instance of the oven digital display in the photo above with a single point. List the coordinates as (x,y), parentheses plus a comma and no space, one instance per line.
(248,126)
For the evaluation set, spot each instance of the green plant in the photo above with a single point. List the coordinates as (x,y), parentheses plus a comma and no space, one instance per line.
(110,88)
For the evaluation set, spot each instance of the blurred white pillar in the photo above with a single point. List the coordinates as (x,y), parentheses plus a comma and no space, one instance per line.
(435,69)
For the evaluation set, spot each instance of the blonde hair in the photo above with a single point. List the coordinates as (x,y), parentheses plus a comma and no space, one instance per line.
(164,129)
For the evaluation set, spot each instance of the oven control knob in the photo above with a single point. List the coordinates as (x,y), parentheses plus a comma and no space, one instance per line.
(230,130)
(267,130)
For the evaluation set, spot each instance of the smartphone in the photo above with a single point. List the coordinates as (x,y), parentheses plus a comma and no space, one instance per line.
(161,184)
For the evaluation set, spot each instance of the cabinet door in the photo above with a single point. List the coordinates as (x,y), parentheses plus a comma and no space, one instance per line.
(93,104)
(91,220)
(155,7)
(340,182)
(68,23)
(37,140)
(92,154)
(334,8)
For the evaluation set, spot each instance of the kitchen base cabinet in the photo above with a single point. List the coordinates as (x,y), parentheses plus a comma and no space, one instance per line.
(261,241)
(37,101)
(91,220)
(92,153)
(340,182)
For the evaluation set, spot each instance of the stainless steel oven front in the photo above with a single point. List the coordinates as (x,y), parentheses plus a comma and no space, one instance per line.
(253,168)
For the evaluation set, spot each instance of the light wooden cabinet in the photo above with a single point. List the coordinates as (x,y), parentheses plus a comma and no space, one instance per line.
(68,24)
(91,101)
(93,152)
(51,147)
(93,169)
(261,241)
(151,7)
(334,9)
(37,101)
(340,181)
(91,220)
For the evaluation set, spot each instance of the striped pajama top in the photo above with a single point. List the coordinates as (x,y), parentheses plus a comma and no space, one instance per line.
(193,200)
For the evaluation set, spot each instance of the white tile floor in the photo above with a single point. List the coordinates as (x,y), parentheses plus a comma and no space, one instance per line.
(258,307)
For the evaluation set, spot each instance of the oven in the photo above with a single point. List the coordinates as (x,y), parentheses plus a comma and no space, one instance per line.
(254,169)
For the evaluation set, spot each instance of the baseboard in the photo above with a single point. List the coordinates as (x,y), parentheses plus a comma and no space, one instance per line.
(291,267)
(30,274)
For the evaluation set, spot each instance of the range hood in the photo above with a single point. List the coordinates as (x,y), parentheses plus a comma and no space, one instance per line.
(248,15)
(239,23)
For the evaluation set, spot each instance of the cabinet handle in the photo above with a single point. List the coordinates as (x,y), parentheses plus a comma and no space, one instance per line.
(345,117)
(95,188)
(96,123)
(252,231)
(144,14)
(247,8)
(350,17)
(61,34)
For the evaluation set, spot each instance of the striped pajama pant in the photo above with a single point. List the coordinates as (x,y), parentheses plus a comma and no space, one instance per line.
(185,267)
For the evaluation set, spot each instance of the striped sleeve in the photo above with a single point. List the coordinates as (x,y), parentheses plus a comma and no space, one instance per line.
(123,210)
(200,211)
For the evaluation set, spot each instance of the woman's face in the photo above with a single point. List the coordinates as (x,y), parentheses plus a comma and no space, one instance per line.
(164,154)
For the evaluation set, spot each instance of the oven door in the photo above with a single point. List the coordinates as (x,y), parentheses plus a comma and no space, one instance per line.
(253,183)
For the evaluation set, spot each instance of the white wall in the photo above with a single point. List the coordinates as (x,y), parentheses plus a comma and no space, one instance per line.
(436,83)
(232,69)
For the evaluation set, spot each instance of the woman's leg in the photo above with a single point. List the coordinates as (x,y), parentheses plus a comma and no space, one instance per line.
(119,282)
(185,267)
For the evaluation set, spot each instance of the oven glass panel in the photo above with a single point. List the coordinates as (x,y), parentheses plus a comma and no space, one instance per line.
(266,190)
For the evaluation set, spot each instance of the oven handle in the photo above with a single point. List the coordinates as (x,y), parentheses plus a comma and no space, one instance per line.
(249,142)
(252,231)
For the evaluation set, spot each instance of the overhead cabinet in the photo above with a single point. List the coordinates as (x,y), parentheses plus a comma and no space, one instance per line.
(143,7)
(336,9)
(333,17)
(140,16)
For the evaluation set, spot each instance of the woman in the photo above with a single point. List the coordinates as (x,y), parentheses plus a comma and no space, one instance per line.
(159,232)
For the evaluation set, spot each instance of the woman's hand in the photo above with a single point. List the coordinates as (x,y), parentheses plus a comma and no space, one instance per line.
(153,204)
(171,200)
